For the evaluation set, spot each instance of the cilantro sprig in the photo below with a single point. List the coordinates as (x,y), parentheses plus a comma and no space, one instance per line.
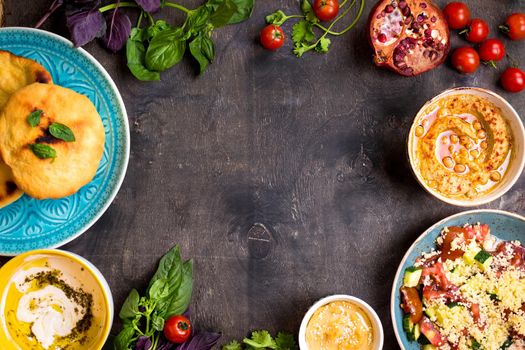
(262,339)
(308,34)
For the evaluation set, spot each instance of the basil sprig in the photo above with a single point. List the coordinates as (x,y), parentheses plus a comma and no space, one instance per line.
(43,151)
(62,132)
(152,49)
(168,294)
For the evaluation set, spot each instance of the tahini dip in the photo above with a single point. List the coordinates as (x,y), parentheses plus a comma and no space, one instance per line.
(339,325)
(462,146)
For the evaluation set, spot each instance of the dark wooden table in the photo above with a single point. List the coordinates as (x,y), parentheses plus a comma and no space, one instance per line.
(313,149)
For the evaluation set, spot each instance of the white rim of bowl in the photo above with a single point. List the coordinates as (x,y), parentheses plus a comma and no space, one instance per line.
(127,146)
(393,302)
(457,202)
(374,319)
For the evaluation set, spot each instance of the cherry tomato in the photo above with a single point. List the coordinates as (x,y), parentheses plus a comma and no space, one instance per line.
(515,26)
(431,332)
(326,10)
(457,15)
(454,233)
(177,329)
(474,310)
(412,304)
(272,37)
(491,50)
(465,59)
(477,31)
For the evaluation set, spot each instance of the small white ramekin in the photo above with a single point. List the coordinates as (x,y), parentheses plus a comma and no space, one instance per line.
(518,158)
(374,319)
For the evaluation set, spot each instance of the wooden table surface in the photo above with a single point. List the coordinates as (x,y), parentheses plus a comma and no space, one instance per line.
(311,151)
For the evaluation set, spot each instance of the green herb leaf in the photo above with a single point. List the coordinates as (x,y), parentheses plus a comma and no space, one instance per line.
(301,48)
(198,19)
(323,45)
(135,54)
(170,268)
(243,12)
(159,289)
(260,339)
(233,345)
(43,151)
(157,322)
(203,50)
(302,31)
(308,11)
(124,338)
(180,300)
(277,18)
(155,29)
(165,49)
(62,132)
(130,308)
(285,341)
(222,12)
(34,118)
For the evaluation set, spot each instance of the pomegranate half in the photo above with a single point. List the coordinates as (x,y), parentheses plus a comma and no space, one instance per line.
(408,36)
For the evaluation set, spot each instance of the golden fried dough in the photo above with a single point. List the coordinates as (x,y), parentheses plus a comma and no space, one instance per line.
(75,163)
(9,191)
(17,72)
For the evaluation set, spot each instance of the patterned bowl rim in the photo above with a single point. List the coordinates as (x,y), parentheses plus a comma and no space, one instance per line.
(126,140)
(393,299)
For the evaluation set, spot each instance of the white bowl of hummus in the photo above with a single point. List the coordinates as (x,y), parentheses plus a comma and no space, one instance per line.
(53,299)
(341,322)
(466,146)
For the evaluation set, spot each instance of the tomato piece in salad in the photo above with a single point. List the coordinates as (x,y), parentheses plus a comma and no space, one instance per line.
(457,234)
(412,304)
(437,273)
(430,331)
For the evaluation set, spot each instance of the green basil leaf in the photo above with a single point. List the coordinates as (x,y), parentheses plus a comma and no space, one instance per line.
(277,18)
(198,19)
(157,322)
(181,300)
(124,338)
(43,151)
(166,49)
(34,118)
(62,132)
(243,12)
(203,50)
(170,269)
(155,29)
(222,12)
(130,308)
(306,7)
(135,54)
(159,289)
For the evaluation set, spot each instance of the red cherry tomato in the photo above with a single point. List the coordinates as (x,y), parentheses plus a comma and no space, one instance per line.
(477,31)
(515,26)
(513,80)
(465,59)
(457,15)
(491,50)
(177,329)
(326,10)
(272,37)
(412,304)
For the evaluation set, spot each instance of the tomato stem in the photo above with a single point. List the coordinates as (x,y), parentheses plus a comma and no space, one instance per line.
(350,26)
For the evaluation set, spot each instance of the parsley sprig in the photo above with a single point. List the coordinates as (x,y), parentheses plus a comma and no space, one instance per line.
(304,36)
(260,340)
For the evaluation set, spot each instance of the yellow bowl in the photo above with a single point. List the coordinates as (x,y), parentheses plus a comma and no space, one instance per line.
(75,274)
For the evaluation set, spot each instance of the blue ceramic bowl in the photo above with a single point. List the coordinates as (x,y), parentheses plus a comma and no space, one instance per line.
(504,225)
(28,223)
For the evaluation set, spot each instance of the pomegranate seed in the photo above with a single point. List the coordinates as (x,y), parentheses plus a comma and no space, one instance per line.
(389,9)
(433,19)
(402,4)
(408,20)
(378,16)
(428,33)
(382,38)
(423,5)
(405,11)
(420,18)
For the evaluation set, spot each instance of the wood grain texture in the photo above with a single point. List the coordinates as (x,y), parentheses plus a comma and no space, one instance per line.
(286,179)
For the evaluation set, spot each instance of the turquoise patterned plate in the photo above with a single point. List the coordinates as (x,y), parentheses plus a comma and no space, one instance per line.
(503,225)
(34,224)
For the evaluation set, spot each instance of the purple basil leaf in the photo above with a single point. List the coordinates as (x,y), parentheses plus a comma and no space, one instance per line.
(164,344)
(149,5)
(200,341)
(118,29)
(143,343)
(85,23)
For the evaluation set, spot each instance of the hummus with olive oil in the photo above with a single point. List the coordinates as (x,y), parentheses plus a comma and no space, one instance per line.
(462,146)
